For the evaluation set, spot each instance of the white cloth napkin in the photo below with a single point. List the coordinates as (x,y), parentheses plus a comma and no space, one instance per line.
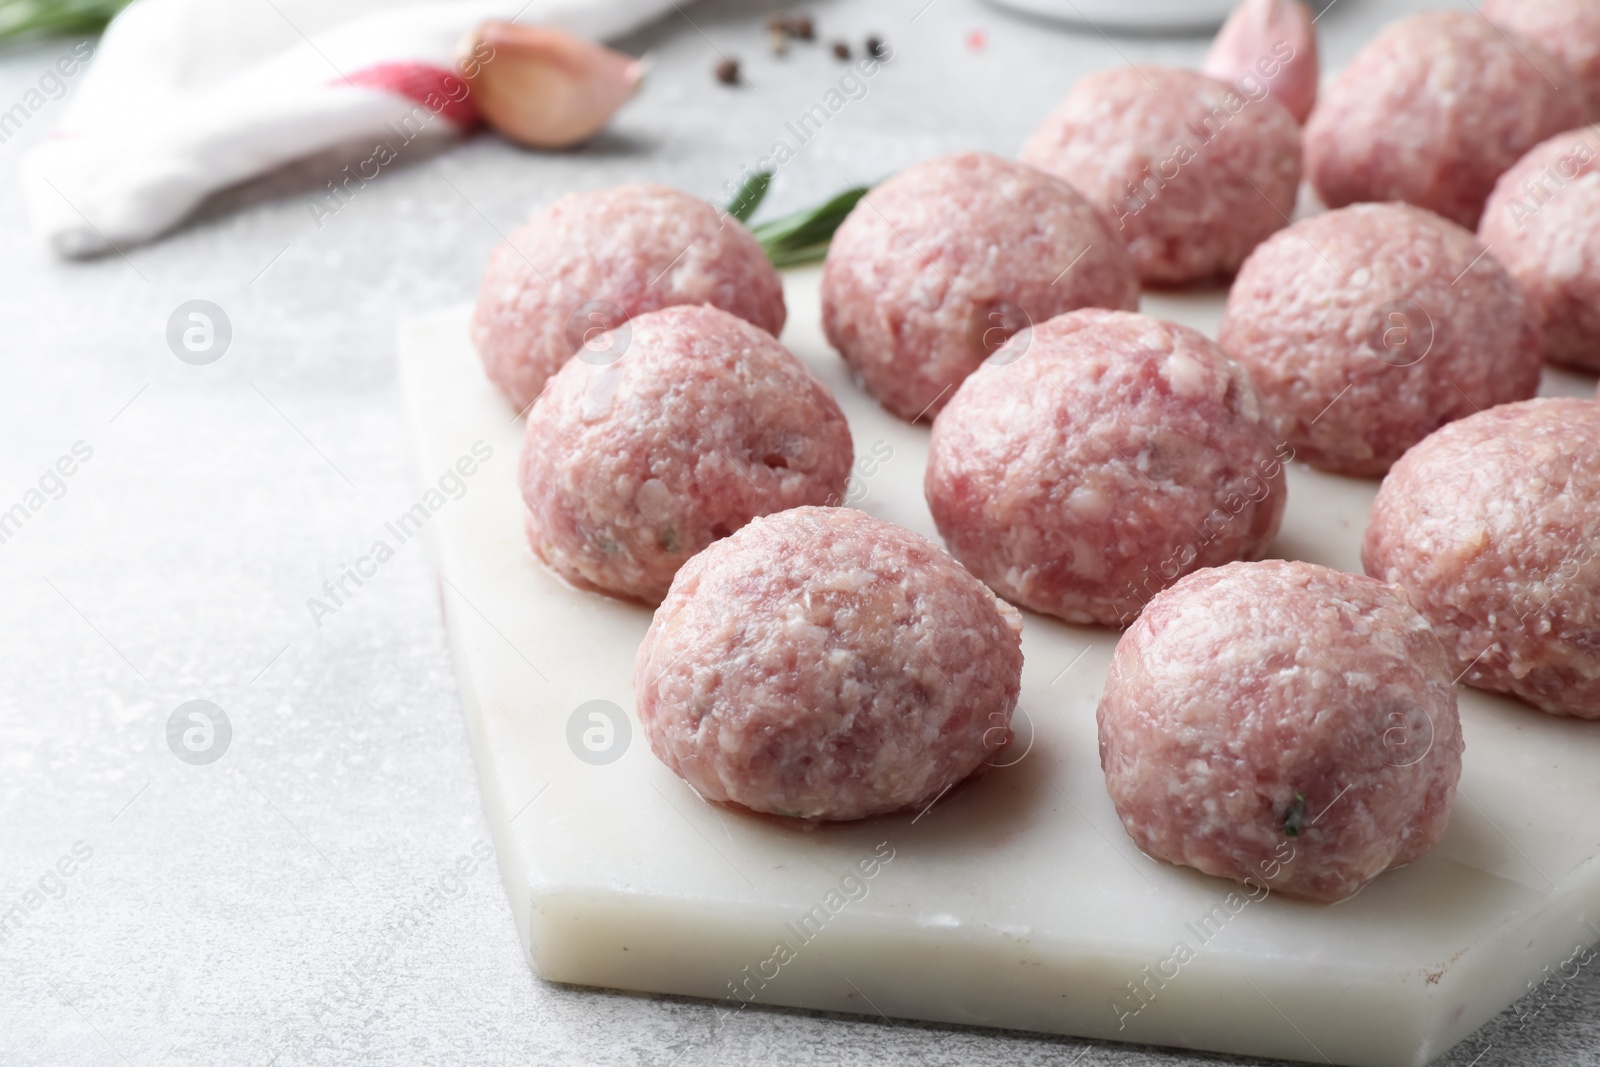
(186,97)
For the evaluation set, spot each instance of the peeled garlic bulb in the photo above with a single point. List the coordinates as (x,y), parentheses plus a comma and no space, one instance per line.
(542,87)
(1273,43)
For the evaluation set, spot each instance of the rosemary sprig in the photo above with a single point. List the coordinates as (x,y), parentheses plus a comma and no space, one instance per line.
(803,236)
(23,18)
(750,195)
(798,238)
(797,257)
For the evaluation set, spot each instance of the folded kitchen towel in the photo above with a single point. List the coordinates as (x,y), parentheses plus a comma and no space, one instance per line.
(186,97)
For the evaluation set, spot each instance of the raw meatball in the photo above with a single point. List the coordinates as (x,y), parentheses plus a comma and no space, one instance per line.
(1284,725)
(1369,327)
(824,664)
(1101,459)
(1543,223)
(1436,108)
(591,261)
(1492,525)
(944,262)
(1192,172)
(703,423)
(1568,29)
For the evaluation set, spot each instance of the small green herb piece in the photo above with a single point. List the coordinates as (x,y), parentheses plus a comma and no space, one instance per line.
(781,258)
(750,195)
(26,18)
(667,538)
(1293,817)
(803,236)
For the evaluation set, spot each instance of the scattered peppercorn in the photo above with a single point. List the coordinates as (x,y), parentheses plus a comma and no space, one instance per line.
(802,28)
(727,70)
(875,47)
(841,50)
(778,24)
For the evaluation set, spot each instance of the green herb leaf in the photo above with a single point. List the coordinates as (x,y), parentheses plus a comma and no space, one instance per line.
(803,237)
(750,195)
(798,257)
(1293,817)
(24,18)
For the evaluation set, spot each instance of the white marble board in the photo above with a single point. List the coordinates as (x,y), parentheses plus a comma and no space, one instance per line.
(1016,900)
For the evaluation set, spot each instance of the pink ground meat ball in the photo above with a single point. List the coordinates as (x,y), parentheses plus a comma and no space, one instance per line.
(700,423)
(1282,724)
(591,261)
(1098,460)
(1192,172)
(1543,223)
(1369,327)
(1433,111)
(1492,525)
(827,665)
(945,261)
(1567,29)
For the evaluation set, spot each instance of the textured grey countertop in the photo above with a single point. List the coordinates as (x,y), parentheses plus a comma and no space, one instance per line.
(316,895)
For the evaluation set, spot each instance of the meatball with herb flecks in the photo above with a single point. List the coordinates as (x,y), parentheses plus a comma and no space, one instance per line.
(688,423)
(1099,458)
(825,665)
(1192,172)
(1369,327)
(1543,223)
(1282,724)
(592,260)
(937,267)
(1492,526)
(1433,111)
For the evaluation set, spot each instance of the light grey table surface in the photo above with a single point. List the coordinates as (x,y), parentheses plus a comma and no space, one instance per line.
(300,899)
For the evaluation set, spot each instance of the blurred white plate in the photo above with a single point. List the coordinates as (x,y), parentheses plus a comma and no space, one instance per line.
(1130,14)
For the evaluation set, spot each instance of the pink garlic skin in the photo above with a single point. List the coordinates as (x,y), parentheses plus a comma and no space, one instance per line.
(1271,43)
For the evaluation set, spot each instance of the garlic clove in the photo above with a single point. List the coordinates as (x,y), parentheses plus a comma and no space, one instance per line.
(542,87)
(1271,44)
